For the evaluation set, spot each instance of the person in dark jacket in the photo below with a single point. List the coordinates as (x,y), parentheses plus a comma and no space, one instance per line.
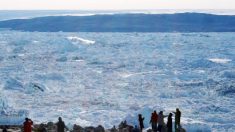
(60,125)
(4,129)
(151,122)
(28,125)
(169,123)
(177,119)
(160,121)
(141,122)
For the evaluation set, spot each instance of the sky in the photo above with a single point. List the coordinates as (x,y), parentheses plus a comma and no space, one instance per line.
(114,4)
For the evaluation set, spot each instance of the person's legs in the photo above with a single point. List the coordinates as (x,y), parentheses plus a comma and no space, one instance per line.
(159,128)
(176,128)
(175,125)
(154,126)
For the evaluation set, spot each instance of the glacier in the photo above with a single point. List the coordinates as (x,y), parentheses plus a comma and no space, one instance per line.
(105,78)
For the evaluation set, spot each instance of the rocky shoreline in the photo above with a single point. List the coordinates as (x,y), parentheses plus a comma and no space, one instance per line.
(51,127)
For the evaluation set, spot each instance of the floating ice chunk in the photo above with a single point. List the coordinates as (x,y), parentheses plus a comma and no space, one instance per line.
(33,87)
(219,60)
(76,40)
(13,84)
(35,41)
(21,55)
(50,76)
(126,75)
(62,59)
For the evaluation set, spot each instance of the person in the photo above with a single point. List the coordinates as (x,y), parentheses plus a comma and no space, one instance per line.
(169,123)
(153,121)
(160,121)
(155,117)
(60,125)
(4,129)
(28,125)
(141,122)
(177,119)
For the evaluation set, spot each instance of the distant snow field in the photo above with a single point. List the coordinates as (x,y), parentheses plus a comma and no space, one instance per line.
(105,78)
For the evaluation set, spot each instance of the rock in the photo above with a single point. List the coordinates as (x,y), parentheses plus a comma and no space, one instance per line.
(77,128)
(114,129)
(51,126)
(99,129)
(124,127)
(42,128)
(89,129)
(136,129)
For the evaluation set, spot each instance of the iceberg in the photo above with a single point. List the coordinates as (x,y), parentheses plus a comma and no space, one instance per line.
(219,60)
(77,40)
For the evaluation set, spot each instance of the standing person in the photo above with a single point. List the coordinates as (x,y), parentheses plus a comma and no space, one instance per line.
(177,119)
(152,122)
(155,117)
(169,123)
(4,129)
(60,125)
(28,125)
(141,122)
(160,121)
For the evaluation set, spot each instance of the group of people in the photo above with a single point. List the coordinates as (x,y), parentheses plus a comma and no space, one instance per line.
(157,121)
(28,125)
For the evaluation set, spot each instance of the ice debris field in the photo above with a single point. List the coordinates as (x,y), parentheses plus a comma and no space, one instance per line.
(105,78)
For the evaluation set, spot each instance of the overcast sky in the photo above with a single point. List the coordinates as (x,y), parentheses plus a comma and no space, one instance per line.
(115,4)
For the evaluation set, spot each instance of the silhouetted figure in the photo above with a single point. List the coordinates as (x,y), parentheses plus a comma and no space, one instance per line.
(28,125)
(122,125)
(141,122)
(153,121)
(114,129)
(155,118)
(177,119)
(160,121)
(125,123)
(4,129)
(60,125)
(169,123)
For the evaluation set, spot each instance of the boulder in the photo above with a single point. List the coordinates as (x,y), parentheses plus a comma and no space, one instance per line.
(77,128)
(99,129)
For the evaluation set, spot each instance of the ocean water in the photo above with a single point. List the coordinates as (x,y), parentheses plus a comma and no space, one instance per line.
(105,78)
